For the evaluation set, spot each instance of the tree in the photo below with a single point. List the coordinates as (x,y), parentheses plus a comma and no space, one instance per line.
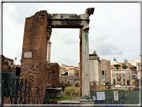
(66,73)
(124,66)
(133,67)
(117,65)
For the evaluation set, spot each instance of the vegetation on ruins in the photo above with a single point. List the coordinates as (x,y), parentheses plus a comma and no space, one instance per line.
(72,91)
(117,66)
(77,84)
(124,66)
(66,73)
(133,67)
(64,85)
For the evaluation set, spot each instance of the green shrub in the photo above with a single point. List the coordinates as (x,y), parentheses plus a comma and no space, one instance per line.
(64,85)
(77,84)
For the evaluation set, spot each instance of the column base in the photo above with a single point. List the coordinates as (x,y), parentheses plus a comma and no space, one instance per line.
(86,99)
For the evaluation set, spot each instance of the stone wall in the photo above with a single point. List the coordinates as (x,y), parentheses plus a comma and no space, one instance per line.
(53,74)
(34,51)
(64,79)
(70,79)
(7,64)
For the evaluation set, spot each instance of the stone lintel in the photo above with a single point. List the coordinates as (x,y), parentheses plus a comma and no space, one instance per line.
(68,17)
(68,20)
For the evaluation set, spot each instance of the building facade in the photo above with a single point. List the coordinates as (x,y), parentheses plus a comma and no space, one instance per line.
(121,76)
(72,71)
(134,62)
(105,69)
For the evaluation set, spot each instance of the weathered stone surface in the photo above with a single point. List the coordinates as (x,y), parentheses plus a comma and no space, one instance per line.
(85,64)
(35,41)
(53,74)
(67,24)
(28,55)
(70,20)
(89,11)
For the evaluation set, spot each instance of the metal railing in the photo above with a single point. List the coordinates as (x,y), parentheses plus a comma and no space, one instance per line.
(23,92)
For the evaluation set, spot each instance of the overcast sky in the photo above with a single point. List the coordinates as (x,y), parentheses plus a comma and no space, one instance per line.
(114,30)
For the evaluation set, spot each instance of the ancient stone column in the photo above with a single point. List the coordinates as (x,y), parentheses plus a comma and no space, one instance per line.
(84,57)
(80,65)
(85,62)
(49,51)
(48,35)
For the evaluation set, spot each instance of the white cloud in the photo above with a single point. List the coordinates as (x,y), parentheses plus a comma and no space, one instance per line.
(114,30)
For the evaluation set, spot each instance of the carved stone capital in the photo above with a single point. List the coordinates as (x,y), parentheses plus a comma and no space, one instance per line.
(89,11)
(48,33)
(86,27)
(49,43)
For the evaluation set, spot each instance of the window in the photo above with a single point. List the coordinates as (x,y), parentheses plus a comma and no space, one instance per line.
(102,72)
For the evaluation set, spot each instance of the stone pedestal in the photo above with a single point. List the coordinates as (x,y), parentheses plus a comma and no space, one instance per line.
(86,100)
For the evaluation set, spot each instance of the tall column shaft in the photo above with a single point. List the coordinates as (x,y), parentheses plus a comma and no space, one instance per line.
(49,51)
(85,63)
(80,75)
(48,35)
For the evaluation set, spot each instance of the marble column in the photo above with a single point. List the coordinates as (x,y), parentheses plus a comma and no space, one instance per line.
(80,65)
(48,35)
(49,51)
(85,62)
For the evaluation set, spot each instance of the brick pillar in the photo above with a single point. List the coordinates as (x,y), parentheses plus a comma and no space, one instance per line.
(53,74)
(34,51)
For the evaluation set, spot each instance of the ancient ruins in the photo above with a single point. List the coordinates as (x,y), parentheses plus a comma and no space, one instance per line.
(36,39)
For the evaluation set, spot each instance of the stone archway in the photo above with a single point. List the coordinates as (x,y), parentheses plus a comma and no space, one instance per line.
(37,34)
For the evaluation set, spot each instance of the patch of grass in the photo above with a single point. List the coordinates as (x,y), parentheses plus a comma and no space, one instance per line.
(62,98)
(72,91)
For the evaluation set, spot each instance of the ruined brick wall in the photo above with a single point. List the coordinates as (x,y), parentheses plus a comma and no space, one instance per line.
(70,79)
(33,68)
(53,74)
(64,79)
(5,66)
